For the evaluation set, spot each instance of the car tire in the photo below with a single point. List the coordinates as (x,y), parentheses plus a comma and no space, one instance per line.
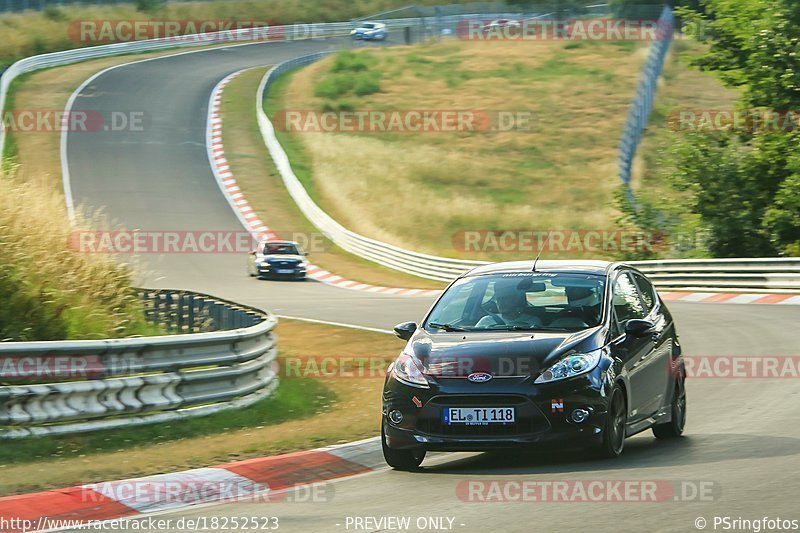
(674,428)
(614,428)
(406,460)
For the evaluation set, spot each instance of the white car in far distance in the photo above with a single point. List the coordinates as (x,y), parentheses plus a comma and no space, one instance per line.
(370,31)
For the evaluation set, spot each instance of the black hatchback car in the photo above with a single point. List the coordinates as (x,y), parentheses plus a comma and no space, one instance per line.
(535,354)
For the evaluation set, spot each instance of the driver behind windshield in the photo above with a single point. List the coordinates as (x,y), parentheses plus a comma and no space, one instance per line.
(512,310)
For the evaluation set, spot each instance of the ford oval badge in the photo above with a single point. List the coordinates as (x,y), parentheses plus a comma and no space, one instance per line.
(479,377)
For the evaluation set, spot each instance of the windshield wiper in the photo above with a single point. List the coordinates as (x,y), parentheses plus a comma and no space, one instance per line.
(446,327)
(517,327)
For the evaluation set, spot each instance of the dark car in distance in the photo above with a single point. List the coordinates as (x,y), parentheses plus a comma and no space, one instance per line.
(564,354)
(277,260)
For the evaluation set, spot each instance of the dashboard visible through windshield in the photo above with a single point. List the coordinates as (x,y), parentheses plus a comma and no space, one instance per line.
(520,301)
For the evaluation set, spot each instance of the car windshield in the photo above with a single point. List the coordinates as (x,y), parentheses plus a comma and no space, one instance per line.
(520,301)
(273,248)
(368,25)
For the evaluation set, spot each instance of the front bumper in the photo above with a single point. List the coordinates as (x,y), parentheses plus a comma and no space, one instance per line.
(278,272)
(368,36)
(542,413)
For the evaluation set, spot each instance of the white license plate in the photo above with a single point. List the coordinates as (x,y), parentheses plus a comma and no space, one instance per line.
(285,271)
(478,416)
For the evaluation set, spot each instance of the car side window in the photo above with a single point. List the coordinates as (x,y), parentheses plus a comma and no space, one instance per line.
(647,291)
(626,300)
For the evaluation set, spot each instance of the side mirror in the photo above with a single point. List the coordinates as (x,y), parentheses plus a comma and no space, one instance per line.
(405,330)
(638,328)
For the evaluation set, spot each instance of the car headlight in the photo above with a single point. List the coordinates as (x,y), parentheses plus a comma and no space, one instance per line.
(572,365)
(352,32)
(406,369)
(302,264)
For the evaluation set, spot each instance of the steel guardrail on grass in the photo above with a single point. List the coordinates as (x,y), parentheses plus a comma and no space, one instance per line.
(221,359)
(645,94)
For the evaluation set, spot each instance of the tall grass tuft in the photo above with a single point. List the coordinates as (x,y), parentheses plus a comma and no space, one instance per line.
(49,291)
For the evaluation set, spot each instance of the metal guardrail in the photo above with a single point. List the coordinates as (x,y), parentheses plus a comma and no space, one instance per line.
(770,274)
(780,274)
(224,360)
(645,93)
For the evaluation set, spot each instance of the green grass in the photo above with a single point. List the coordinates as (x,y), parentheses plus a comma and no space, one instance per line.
(297,153)
(681,88)
(293,399)
(350,74)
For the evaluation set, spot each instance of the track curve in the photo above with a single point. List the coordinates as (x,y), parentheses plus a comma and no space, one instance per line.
(742,434)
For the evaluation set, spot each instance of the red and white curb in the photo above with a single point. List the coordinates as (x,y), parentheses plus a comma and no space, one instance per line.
(258,480)
(730,298)
(250,219)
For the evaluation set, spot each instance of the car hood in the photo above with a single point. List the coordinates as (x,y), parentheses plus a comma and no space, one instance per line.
(283,257)
(499,353)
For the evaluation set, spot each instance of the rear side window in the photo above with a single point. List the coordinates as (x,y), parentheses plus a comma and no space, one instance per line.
(647,291)
(626,301)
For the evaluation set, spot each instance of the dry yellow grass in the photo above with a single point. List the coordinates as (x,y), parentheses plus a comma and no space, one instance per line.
(418,190)
(358,402)
(261,184)
(49,290)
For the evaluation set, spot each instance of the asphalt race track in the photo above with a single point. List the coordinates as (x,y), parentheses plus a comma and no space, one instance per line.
(743,436)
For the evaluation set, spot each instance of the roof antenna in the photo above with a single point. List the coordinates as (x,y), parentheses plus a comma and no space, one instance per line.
(540,251)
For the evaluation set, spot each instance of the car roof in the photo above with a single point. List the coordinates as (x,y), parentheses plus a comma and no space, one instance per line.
(577,266)
(278,242)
